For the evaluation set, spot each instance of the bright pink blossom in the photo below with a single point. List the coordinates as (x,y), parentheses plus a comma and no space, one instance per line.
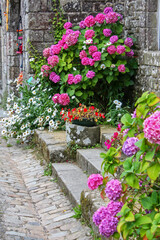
(120,49)
(111,49)
(92,49)
(128,42)
(64,99)
(113,189)
(55,98)
(46,52)
(45,70)
(70,79)
(55,49)
(114,39)
(130,54)
(111,17)
(152,128)
(67,25)
(121,68)
(91,61)
(82,54)
(108,9)
(77,78)
(100,17)
(96,56)
(90,74)
(89,21)
(107,32)
(89,34)
(53,60)
(54,77)
(85,61)
(82,24)
(71,39)
(94,181)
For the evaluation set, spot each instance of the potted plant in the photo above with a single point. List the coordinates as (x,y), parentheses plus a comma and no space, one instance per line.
(81,125)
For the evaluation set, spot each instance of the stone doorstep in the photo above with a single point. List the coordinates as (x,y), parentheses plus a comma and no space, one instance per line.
(71,179)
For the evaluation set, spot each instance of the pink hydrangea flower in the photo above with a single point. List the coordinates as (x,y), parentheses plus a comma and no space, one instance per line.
(96,56)
(152,128)
(114,207)
(69,31)
(121,68)
(55,49)
(71,39)
(65,46)
(89,34)
(45,70)
(82,24)
(55,98)
(54,77)
(120,49)
(91,61)
(82,54)
(85,61)
(111,49)
(100,17)
(89,21)
(107,32)
(70,79)
(99,215)
(108,9)
(94,181)
(90,74)
(128,42)
(53,60)
(92,49)
(113,39)
(64,99)
(113,189)
(111,17)
(129,148)
(46,52)
(67,25)
(77,78)
(108,226)
(130,54)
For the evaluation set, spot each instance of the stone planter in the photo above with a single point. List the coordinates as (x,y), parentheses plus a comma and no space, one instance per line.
(82,135)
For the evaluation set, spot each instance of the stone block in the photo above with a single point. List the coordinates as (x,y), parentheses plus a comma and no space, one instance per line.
(152,5)
(152,19)
(48,36)
(81,135)
(34,35)
(33,6)
(39,21)
(151,58)
(152,39)
(71,6)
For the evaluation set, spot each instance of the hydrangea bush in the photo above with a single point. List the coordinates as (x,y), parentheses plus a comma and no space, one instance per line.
(134,207)
(92,61)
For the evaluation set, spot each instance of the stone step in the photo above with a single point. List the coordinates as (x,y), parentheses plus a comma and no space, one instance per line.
(71,179)
(89,160)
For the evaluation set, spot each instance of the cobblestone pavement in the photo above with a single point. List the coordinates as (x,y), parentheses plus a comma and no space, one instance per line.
(32,207)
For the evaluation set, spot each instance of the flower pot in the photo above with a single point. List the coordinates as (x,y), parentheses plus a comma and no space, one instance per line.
(85,122)
(82,135)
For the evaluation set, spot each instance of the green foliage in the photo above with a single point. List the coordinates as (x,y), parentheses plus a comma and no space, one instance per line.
(78,212)
(48,170)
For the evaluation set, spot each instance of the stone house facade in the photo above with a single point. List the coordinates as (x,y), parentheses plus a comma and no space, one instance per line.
(141,20)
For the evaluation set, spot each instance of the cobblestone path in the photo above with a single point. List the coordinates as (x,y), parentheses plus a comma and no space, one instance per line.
(32,207)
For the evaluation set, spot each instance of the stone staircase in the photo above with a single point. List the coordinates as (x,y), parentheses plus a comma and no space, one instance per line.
(72,175)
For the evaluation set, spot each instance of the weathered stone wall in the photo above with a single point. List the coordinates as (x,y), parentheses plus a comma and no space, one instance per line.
(0,64)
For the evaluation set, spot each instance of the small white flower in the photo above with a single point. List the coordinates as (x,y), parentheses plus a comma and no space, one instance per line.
(108,44)
(24,134)
(49,110)
(73,97)
(18,137)
(22,127)
(41,128)
(18,111)
(119,114)
(3,132)
(30,100)
(103,49)
(116,102)
(75,69)
(31,59)
(118,106)
(47,118)
(109,120)
(84,47)
(103,66)
(28,114)
(34,92)
(40,119)
(8,100)
(113,66)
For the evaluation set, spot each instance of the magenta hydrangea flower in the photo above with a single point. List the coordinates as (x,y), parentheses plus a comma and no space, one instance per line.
(55,98)
(77,78)
(128,42)
(113,189)
(90,74)
(108,9)
(152,128)
(54,77)
(55,49)
(129,148)
(67,25)
(114,207)
(108,226)
(89,34)
(46,52)
(121,68)
(82,54)
(53,60)
(107,32)
(100,17)
(45,70)
(70,79)
(96,56)
(89,21)
(111,49)
(69,31)
(130,54)
(92,49)
(111,17)
(82,24)
(99,215)
(91,61)
(94,181)
(113,39)
(71,39)
(120,49)
(85,61)
(64,99)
